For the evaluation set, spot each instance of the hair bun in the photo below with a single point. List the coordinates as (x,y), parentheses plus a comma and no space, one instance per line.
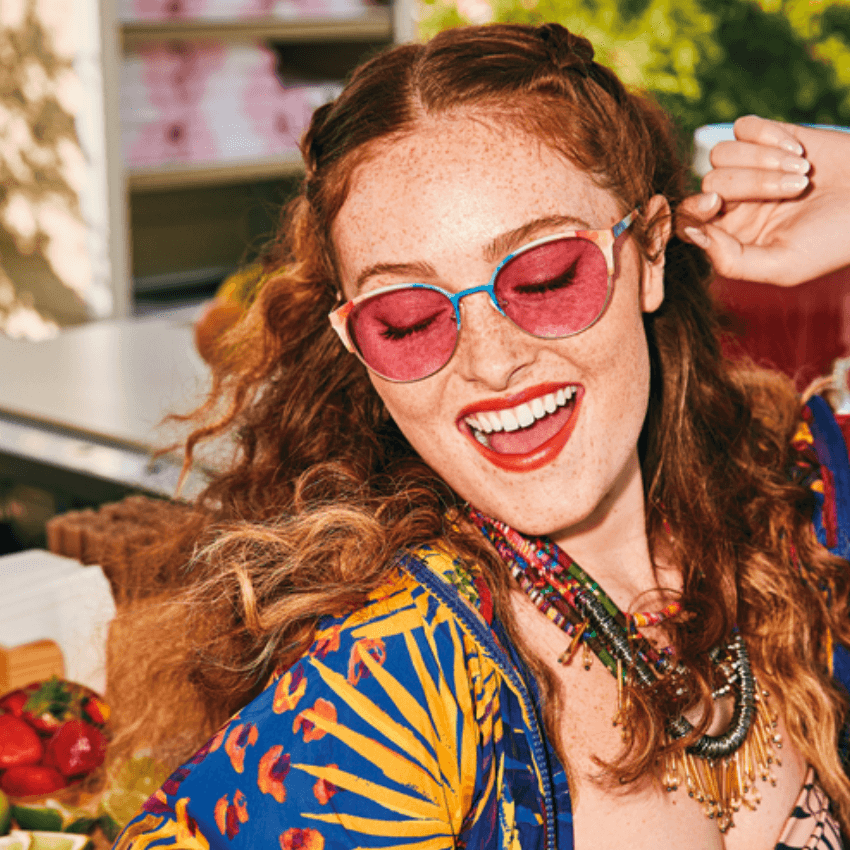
(566,50)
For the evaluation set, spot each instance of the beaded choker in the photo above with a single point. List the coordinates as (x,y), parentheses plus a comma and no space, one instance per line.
(719,771)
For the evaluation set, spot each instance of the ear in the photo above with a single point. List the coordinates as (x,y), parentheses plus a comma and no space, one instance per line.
(652,282)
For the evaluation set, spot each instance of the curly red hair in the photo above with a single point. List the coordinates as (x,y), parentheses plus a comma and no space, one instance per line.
(324,490)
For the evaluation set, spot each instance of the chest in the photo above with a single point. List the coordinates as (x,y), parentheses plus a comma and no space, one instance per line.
(640,815)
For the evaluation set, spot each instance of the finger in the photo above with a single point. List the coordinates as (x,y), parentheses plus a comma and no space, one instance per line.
(735,261)
(748,155)
(696,210)
(754,184)
(762,131)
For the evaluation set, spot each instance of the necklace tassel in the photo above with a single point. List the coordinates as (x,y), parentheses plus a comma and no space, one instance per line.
(723,785)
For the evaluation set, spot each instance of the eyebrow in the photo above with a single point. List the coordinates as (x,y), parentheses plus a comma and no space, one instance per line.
(509,241)
(496,250)
(408,270)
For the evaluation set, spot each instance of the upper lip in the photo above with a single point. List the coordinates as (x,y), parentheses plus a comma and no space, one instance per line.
(506,402)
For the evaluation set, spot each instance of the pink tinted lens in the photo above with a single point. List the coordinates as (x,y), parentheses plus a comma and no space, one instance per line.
(554,289)
(404,334)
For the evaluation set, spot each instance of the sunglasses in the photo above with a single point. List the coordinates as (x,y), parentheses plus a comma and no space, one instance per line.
(551,288)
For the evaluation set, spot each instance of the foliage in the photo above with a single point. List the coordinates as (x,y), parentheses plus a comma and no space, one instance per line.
(706,61)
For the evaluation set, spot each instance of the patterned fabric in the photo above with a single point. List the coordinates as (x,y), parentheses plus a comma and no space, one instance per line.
(811,825)
(406,725)
(410,724)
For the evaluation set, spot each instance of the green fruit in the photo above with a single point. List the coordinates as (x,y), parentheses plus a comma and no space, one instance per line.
(41,818)
(5,814)
(137,779)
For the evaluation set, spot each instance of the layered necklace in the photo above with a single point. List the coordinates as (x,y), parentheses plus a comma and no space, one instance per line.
(719,771)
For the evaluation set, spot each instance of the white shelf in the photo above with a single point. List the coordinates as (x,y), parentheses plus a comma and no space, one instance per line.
(373,24)
(189,195)
(189,175)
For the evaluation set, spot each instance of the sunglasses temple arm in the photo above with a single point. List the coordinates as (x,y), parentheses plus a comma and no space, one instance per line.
(338,324)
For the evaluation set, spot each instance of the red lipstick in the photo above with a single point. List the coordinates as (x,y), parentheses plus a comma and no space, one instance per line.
(542,454)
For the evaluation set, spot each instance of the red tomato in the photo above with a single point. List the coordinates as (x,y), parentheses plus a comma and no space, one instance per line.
(77,748)
(26,780)
(19,743)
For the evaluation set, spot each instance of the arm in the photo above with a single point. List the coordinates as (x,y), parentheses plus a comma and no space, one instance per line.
(775,208)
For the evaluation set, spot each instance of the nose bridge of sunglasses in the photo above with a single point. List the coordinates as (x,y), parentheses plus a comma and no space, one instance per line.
(473,290)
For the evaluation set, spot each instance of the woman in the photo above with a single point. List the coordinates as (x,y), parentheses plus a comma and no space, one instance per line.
(384,596)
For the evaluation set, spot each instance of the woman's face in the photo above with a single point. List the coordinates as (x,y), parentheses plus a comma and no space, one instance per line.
(443,206)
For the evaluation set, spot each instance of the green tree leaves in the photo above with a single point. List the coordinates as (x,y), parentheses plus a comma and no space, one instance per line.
(706,61)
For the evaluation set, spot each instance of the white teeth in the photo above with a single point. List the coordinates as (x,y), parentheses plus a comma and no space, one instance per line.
(524,415)
(495,421)
(487,421)
(509,420)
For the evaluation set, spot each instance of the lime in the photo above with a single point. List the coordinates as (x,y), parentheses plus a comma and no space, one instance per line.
(137,779)
(46,818)
(5,814)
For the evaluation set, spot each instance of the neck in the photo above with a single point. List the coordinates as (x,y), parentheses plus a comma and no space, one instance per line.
(612,545)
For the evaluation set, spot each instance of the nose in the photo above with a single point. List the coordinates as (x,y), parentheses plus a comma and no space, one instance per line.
(491,350)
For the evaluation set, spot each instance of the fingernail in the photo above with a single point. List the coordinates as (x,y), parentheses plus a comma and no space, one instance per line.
(708,202)
(795,165)
(791,146)
(794,183)
(697,237)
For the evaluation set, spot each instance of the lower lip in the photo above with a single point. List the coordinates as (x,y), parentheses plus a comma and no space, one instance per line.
(543,454)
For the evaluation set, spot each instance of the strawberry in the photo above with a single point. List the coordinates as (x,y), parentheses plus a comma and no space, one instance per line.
(95,711)
(25,780)
(47,704)
(19,744)
(13,703)
(76,748)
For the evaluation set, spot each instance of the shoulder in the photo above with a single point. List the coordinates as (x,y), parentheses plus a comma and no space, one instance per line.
(385,721)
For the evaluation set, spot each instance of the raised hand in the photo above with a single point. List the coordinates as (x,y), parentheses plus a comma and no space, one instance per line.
(775,208)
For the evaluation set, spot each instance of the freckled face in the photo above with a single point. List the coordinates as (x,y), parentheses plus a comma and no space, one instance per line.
(443,206)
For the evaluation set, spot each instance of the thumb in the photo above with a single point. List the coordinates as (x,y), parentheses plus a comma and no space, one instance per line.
(734,260)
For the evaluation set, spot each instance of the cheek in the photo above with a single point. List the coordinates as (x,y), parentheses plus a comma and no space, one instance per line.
(415,409)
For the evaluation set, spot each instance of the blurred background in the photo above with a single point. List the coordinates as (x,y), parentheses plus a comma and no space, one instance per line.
(706,61)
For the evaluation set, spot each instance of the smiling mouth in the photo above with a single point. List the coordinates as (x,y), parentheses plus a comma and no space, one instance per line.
(528,434)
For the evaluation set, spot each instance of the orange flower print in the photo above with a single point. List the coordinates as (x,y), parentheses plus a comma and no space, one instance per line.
(240,738)
(187,833)
(327,641)
(218,739)
(323,789)
(311,732)
(356,668)
(229,815)
(274,766)
(289,690)
(301,839)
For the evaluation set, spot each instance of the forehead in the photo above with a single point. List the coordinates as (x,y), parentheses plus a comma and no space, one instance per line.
(457,183)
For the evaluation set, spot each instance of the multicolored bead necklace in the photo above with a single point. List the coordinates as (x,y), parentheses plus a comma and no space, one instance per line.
(719,771)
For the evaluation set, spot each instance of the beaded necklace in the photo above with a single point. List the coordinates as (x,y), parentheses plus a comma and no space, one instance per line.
(719,771)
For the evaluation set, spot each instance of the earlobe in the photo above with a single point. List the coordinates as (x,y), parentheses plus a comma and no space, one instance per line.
(652,284)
